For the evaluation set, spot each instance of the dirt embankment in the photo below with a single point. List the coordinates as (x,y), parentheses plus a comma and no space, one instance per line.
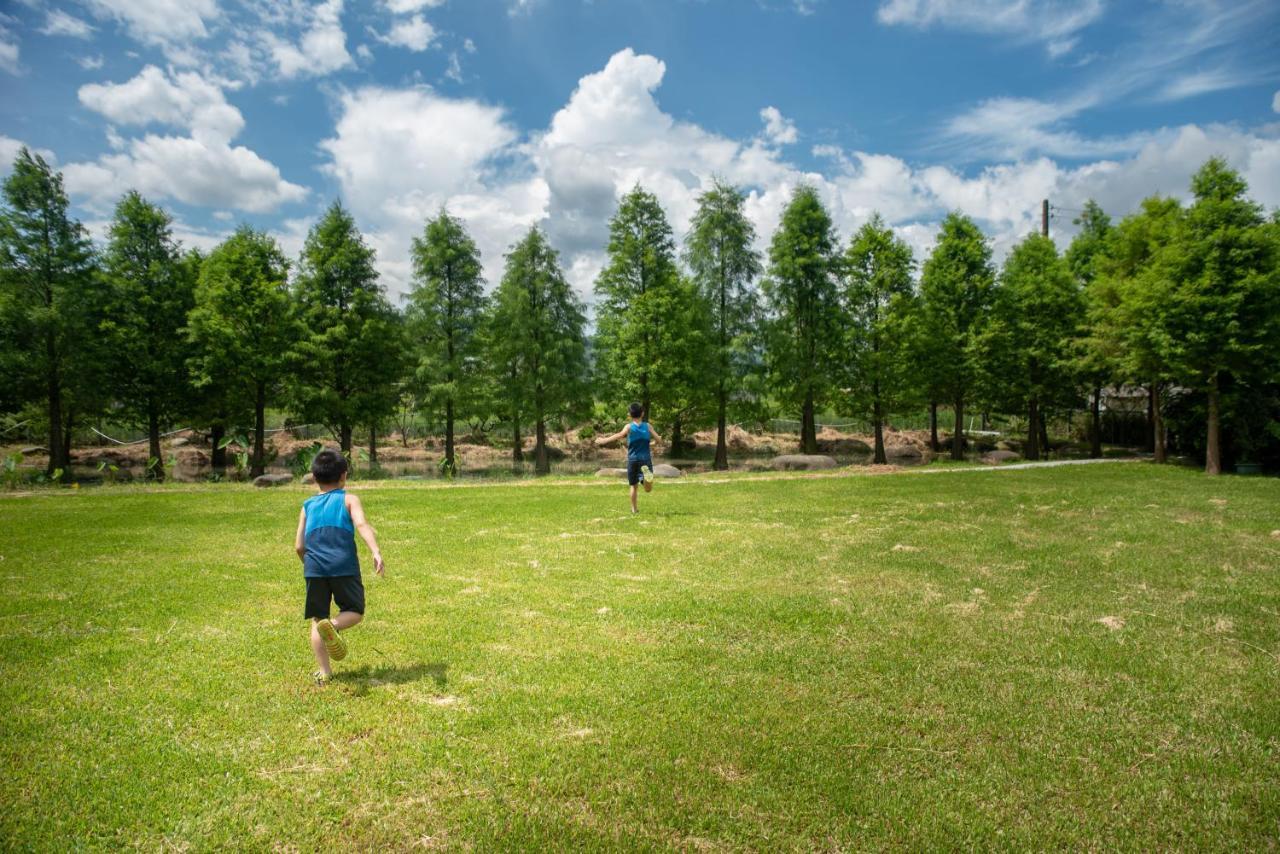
(192,451)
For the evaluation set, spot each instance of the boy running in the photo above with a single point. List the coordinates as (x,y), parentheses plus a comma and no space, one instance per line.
(326,544)
(639,459)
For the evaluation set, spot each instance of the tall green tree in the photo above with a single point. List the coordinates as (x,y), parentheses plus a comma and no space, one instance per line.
(386,360)
(342,314)
(1127,304)
(721,256)
(803,330)
(543,340)
(1038,311)
(243,328)
(446,310)
(1094,363)
(636,290)
(47,292)
(152,292)
(955,292)
(877,300)
(1218,285)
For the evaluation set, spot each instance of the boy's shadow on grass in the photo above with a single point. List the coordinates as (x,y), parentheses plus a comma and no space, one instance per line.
(361,679)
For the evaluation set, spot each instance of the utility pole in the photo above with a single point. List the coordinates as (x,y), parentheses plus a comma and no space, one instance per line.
(1044,217)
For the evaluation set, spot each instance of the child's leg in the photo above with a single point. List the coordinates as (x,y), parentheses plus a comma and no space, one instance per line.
(634,491)
(317,647)
(346,619)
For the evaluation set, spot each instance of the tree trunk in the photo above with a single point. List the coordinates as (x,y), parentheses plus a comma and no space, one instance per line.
(153,445)
(1033,430)
(56,459)
(1095,429)
(67,432)
(986,420)
(808,430)
(933,426)
(1212,445)
(373,445)
(877,415)
(517,442)
(722,442)
(218,457)
(1157,421)
(1044,436)
(677,438)
(957,437)
(1152,418)
(541,464)
(258,466)
(344,439)
(449,461)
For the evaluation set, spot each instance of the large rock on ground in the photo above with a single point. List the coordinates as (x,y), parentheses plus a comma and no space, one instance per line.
(903,452)
(664,470)
(34,449)
(803,462)
(179,442)
(272,479)
(999,457)
(309,478)
(611,472)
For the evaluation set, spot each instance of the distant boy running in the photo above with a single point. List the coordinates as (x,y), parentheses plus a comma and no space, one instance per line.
(326,543)
(639,460)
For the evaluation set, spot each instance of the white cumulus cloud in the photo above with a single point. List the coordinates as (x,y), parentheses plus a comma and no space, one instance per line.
(59,23)
(160,22)
(321,50)
(185,100)
(203,168)
(414,33)
(778,129)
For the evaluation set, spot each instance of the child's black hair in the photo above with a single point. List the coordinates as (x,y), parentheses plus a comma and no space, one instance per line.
(328,467)
(636,410)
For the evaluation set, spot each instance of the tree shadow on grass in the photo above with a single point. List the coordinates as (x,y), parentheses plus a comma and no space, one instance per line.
(360,679)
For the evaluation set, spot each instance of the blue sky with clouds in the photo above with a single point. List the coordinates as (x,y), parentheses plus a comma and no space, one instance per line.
(516,112)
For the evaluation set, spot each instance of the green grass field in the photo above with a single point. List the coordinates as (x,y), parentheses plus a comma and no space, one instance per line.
(1083,657)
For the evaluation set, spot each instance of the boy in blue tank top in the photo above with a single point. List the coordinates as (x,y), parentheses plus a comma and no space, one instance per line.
(639,435)
(326,544)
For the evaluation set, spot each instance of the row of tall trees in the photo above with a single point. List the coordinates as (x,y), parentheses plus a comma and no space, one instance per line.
(1173,298)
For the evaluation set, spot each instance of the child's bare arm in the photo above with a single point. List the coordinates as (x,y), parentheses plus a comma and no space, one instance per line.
(609,440)
(299,539)
(366,531)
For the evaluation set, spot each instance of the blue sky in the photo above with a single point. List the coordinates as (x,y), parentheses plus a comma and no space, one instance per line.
(519,112)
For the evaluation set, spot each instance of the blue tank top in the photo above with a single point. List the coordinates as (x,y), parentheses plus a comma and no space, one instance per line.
(329,536)
(638,443)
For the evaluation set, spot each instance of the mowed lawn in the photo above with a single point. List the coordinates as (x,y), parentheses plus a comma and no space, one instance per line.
(1081,657)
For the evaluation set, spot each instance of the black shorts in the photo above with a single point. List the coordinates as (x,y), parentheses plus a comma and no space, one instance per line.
(346,590)
(634,475)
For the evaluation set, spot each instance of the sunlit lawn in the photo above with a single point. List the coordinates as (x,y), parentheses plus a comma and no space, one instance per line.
(1075,657)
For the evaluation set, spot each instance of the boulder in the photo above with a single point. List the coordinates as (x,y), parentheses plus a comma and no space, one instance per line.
(611,473)
(845,446)
(34,449)
(999,457)
(272,479)
(803,462)
(664,470)
(903,452)
(309,478)
(179,442)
